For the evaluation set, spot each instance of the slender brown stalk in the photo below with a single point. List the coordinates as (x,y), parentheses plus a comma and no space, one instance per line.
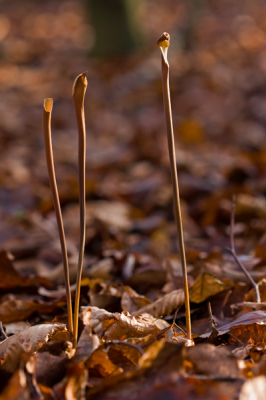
(47,111)
(163,42)
(232,250)
(78,93)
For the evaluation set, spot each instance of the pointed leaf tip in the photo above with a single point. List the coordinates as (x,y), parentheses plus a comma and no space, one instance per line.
(165,37)
(48,104)
(80,83)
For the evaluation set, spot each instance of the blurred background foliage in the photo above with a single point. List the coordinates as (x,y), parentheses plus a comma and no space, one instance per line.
(218,74)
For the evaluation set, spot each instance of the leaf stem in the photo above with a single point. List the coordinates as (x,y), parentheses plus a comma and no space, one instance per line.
(47,111)
(78,94)
(163,42)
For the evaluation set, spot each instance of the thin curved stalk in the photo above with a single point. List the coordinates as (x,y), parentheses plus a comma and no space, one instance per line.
(47,111)
(78,93)
(163,43)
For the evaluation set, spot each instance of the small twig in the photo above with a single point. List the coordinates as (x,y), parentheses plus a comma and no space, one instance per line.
(212,322)
(135,346)
(163,42)
(174,323)
(78,93)
(236,338)
(157,336)
(233,253)
(47,111)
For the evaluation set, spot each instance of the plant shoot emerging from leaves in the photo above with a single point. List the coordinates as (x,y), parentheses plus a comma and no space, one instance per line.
(163,43)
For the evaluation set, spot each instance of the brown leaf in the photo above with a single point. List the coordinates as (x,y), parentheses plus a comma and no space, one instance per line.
(205,285)
(121,354)
(165,305)
(131,301)
(252,317)
(73,386)
(118,326)
(18,310)
(100,364)
(206,359)
(127,326)
(10,278)
(29,340)
(50,368)
(87,344)
(16,388)
(254,333)
(95,317)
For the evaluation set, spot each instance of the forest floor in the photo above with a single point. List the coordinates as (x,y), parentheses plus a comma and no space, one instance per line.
(132,322)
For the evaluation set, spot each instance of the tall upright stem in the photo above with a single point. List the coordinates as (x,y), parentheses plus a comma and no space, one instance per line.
(47,111)
(163,43)
(78,93)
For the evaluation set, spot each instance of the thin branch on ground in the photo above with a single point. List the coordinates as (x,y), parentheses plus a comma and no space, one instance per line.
(233,253)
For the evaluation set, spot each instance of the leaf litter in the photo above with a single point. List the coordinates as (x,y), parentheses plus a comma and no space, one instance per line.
(132,342)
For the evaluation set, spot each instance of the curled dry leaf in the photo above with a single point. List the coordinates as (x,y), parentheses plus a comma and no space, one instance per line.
(95,317)
(88,342)
(50,368)
(29,340)
(99,363)
(118,326)
(123,354)
(165,305)
(206,285)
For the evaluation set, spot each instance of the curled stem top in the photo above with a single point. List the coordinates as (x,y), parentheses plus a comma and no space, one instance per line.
(163,43)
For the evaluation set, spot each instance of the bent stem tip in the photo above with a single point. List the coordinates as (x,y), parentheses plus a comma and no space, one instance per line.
(47,110)
(78,94)
(163,43)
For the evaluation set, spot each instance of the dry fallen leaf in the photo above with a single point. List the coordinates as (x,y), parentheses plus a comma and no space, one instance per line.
(19,310)
(100,364)
(165,305)
(29,340)
(10,278)
(118,326)
(206,359)
(131,301)
(205,285)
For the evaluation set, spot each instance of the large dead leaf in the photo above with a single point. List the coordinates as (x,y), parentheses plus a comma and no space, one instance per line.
(87,343)
(19,310)
(10,278)
(206,359)
(253,333)
(249,318)
(165,305)
(29,340)
(73,386)
(50,369)
(118,326)
(206,285)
